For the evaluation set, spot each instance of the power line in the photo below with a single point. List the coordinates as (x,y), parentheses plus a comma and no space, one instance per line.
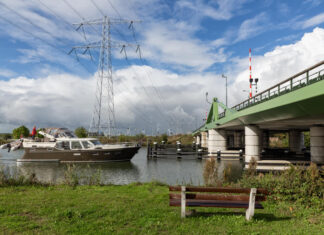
(32,23)
(42,40)
(112,6)
(62,51)
(78,14)
(155,105)
(131,26)
(155,89)
(101,12)
(104,110)
(83,36)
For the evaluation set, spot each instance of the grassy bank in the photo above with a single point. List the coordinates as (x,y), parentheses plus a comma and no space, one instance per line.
(138,209)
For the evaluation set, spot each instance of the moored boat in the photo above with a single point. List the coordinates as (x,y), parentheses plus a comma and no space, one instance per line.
(62,145)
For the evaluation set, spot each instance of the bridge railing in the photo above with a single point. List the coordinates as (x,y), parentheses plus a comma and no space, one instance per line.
(304,78)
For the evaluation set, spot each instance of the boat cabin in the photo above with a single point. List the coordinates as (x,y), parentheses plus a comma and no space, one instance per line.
(77,144)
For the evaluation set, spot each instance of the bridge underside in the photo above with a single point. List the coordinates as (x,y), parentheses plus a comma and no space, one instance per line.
(300,115)
(293,110)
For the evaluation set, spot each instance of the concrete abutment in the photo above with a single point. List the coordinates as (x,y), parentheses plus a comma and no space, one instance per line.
(216,141)
(317,144)
(204,139)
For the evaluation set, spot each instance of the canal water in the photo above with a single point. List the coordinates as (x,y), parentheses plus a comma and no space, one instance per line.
(140,169)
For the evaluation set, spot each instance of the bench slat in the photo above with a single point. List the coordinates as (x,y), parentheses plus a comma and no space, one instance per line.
(218,190)
(214,203)
(216,197)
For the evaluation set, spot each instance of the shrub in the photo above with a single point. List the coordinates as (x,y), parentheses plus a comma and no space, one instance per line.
(298,183)
(81,132)
(210,173)
(22,130)
(70,175)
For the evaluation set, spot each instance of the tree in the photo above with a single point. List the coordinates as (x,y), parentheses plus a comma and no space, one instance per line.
(164,138)
(7,136)
(22,130)
(81,132)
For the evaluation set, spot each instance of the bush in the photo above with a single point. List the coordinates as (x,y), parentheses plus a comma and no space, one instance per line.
(20,131)
(298,183)
(81,132)
(164,138)
(210,173)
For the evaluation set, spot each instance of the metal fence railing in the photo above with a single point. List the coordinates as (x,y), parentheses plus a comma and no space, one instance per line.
(306,77)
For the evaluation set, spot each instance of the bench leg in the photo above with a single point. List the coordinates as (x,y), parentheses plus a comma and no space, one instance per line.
(183,201)
(250,211)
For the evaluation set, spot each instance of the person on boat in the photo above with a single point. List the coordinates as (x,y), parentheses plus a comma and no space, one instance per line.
(34,132)
(9,147)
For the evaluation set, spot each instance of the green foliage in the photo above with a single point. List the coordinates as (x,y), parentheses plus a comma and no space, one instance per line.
(164,138)
(17,178)
(122,138)
(22,130)
(40,135)
(210,172)
(81,132)
(295,184)
(5,136)
(70,175)
(306,139)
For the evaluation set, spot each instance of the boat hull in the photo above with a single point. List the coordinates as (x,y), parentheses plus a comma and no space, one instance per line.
(93,155)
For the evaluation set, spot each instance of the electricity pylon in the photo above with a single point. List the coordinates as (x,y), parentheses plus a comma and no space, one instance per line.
(103,118)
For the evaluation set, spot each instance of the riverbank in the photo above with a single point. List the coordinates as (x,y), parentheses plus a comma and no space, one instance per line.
(138,209)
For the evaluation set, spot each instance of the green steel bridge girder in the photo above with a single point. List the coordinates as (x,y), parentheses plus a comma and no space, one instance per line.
(299,108)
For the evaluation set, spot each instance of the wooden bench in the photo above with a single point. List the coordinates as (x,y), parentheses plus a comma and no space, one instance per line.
(210,197)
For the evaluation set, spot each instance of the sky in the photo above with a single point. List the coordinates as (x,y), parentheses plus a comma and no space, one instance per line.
(185,47)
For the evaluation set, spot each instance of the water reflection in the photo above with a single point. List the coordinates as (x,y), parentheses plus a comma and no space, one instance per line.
(168,170)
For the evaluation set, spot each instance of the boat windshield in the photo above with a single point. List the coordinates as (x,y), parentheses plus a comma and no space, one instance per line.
(76,145)
(86,144)
(63,145)
(95,142)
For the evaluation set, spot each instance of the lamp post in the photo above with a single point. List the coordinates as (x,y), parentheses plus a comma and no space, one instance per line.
(223,76)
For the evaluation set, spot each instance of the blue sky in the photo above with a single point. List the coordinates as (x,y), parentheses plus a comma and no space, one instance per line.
(186,45)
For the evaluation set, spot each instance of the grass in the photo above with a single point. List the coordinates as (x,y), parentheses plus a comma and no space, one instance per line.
(138,209)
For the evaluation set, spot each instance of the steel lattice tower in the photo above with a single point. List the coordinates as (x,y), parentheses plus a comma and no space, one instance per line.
(103,118)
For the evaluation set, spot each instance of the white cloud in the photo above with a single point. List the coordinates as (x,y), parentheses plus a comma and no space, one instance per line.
(279,64)
(217,10)
(173,44)
(6,73)
(252,27)
(66,100)
(315,20)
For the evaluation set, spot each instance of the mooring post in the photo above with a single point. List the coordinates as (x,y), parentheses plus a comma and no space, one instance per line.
(183,201)
(193,145)
(218,154)
(149,149)
(155,147)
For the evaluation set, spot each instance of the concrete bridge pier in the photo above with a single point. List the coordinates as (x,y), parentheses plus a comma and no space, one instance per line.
(198,140)
(296,141)
(204,139)
(237,139)
(216,141)
(252,143)
(317,144)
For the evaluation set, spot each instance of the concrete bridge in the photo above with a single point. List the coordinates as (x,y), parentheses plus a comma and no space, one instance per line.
(294,105)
